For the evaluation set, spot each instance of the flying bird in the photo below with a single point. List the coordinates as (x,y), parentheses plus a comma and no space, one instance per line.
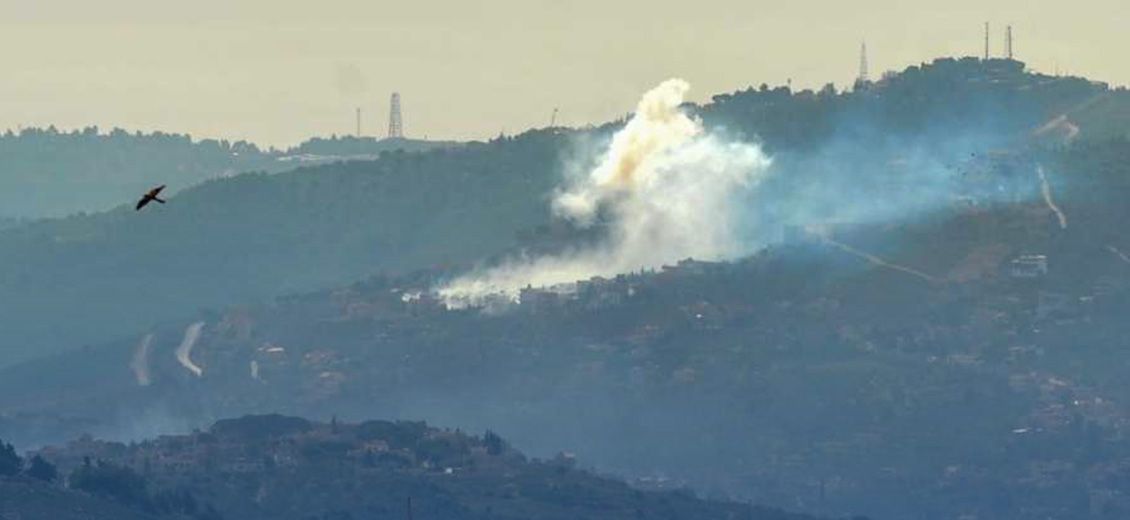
(150,196)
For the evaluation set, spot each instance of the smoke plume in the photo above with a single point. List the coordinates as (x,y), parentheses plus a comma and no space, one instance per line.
(1046,191)
(140,362)
(191,334)
(666,189)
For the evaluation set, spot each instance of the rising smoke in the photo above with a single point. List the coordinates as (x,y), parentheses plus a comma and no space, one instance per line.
(184,351)
(1046,191)
(667,190)
(140,362)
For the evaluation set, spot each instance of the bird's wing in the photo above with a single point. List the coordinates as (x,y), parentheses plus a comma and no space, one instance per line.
(153,192)
(141,203)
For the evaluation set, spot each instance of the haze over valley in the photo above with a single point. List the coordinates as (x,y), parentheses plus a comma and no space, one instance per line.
(902,298)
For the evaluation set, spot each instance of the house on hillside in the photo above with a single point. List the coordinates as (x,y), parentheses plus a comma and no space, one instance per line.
(1029,267)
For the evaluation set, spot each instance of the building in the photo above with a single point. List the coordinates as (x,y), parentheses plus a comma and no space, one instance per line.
(1029,266)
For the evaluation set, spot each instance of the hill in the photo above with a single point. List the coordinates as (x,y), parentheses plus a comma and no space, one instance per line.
(254,236)
(961,364)
(356,148)
(281,468)
(51,173)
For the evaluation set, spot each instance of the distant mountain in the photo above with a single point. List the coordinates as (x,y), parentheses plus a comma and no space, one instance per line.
(350,147)
(285,468)
(50,173)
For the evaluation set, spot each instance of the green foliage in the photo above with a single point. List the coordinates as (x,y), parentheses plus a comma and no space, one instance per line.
(40,469)
(442,451)
(359,146)
(46,172)
(267,235)
(338,486)
(50,173)
(264,236)
(398,434)
(10,461)
(494,443)
(260,426)
(112,481)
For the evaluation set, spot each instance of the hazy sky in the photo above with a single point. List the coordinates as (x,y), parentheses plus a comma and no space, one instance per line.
(277,71)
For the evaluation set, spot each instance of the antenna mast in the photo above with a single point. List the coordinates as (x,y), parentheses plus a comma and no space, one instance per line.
(358,121)
(395,123)
(1008,42)
(864,75)
(986,41)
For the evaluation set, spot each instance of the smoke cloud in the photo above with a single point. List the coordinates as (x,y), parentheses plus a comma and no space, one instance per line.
(184,351)
(140,362)
(667,190)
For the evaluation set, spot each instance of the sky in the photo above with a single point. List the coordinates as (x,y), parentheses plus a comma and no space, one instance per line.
(276,72)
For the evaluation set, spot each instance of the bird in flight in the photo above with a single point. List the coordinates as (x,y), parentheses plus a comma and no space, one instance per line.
(150,196)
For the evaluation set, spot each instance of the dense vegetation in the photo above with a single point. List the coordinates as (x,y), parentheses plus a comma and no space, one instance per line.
(282,468)
(350,146)
(804,377)
(46,172)
(51,173)
(31,499)
(255,236)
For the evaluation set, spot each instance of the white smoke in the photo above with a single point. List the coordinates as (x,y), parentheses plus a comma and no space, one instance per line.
(667,189)
(1046,190)
(140,362)
(191,334)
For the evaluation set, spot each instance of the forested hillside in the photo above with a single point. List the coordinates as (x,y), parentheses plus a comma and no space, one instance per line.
(53,173)
(254,236)
(285,468)
(891,353)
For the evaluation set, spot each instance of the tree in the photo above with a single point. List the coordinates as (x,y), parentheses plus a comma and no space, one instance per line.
(10,462)
(40,469)
(113,481)
(495,444)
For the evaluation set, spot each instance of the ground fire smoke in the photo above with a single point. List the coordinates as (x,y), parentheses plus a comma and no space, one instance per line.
(140,362)
(875,260)
(1046,190)
(191,334)
(667,190)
